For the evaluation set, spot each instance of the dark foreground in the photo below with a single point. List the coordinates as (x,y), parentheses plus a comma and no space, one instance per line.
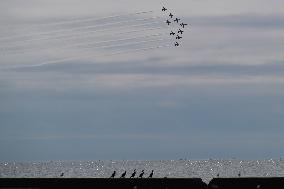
(189,183)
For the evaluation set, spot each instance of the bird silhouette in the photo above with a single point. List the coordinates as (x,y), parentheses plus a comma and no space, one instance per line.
(133,174)
(151,174)
(113,174)
(123,175)
(141,174)
(62,174)
(239,174)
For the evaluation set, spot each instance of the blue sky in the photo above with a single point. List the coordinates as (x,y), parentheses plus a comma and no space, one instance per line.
(220,95)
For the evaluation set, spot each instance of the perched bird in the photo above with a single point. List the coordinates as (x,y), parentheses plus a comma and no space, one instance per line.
(123,175)
(133,174)
(151,174)
(218,175)
(62,174)
(239,174)
(113,174)
(141,174)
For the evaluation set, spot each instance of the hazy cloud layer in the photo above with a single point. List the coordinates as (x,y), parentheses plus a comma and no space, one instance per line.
(219,95)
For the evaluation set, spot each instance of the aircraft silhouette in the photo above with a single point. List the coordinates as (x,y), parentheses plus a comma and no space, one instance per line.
(123,175)
(164,9)
(178,37)
(133,174)
(182,24)
(172,33)
(171,15)
(180,31)
(176,20)
(168,22)
(176,44)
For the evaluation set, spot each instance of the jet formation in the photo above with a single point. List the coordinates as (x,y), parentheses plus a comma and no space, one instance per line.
(171,20)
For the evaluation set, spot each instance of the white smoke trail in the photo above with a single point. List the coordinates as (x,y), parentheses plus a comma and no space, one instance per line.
(79,36)
(77,28)
(87,56)
(77,45)
(76,20)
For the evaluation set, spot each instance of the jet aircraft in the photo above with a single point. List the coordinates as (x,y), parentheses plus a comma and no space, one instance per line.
(180,31)
(164,9)
(177,19)
(182,25)
(168,22)
(172,33)
(176,44)
(178,37)
(171,15)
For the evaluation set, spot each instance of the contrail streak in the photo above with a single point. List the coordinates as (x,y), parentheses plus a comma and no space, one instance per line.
(79,36)
(87,19)
(66,45)
(123,44)
(88,56)
(83,44)
(78,28)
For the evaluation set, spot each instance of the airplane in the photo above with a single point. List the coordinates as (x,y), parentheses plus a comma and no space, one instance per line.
(180,31)
(172,33)
(164,9)
(168,22)
(171,15)
(182,24)
(176,20)
(176,44)
(178,37)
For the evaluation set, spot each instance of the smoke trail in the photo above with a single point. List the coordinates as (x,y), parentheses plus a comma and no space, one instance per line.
(88,56)
(78,28)
(73,21)
(77,45)
(76,35)
(136,25)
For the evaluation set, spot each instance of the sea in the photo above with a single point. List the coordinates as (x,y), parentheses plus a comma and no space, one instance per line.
(204,169)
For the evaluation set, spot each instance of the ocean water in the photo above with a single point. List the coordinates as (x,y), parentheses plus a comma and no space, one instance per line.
(205,169)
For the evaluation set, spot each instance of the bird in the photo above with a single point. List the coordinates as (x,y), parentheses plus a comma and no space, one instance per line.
(239,174)
(123,175)
(218,175)
(141,174)
(171,15)
(113,174)
(164,9)
(176,44)
(62,174)
(172,33)
(133,174)
(151,174)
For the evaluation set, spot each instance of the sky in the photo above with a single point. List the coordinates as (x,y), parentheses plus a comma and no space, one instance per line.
(219,95)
